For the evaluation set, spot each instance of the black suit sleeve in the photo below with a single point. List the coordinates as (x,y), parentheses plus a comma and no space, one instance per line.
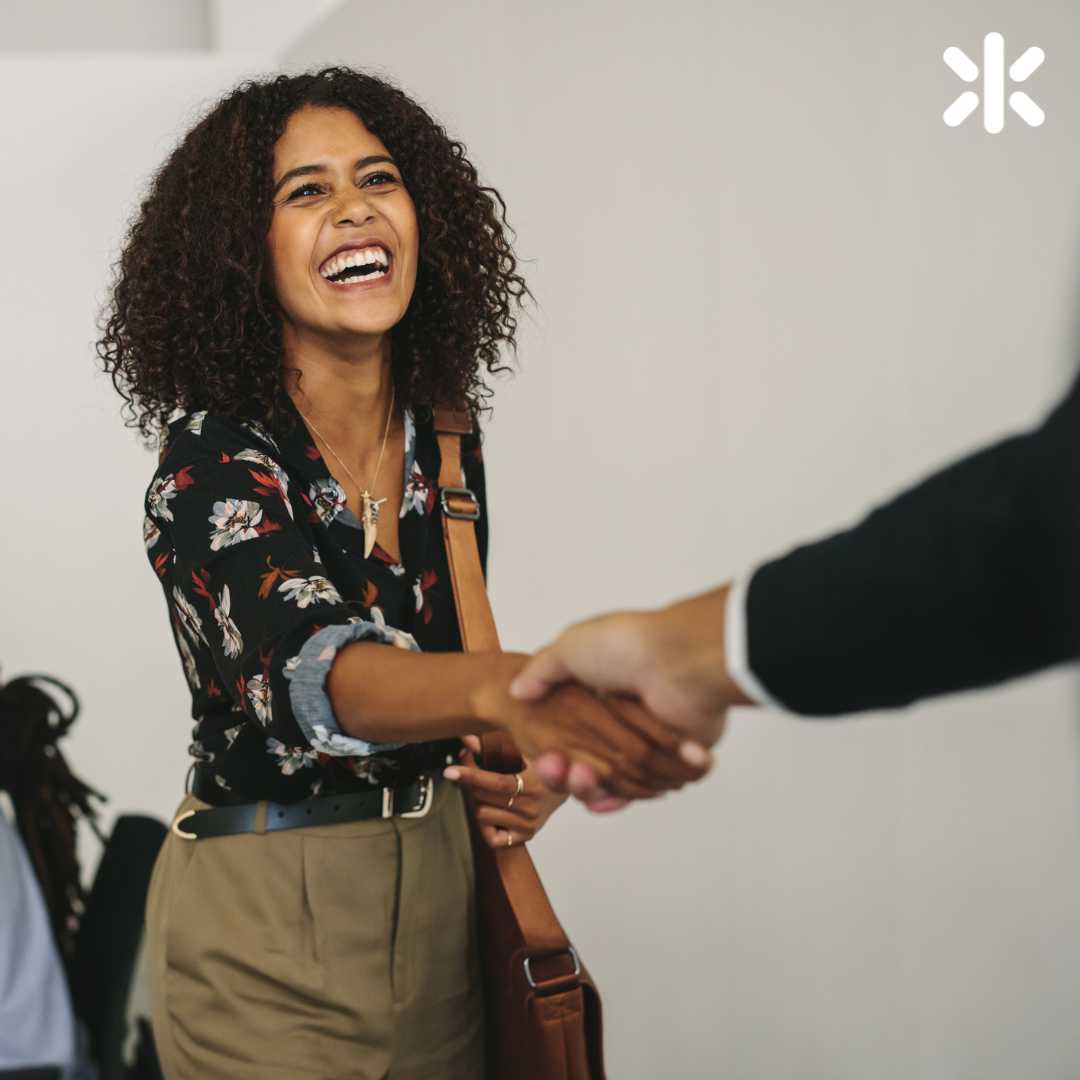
(967,579)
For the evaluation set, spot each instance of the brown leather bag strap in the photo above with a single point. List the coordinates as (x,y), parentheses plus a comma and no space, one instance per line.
(475,620)
(540,927)
(460,511)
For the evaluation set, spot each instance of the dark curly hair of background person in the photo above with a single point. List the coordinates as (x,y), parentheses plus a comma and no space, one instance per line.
(192,321)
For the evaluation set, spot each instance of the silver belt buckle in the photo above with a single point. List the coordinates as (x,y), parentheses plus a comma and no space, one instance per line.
(175,829)
(428,789)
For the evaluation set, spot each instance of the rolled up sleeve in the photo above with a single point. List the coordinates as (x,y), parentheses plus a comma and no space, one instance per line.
(307,674)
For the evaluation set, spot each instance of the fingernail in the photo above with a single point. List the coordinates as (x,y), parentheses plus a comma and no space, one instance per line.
(694,754)
(452,773)
(517,688)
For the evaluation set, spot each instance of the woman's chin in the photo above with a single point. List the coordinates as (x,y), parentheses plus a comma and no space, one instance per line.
(361,325)
(368,328)
(369,314)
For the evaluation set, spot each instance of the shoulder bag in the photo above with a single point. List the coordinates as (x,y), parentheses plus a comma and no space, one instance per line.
(543,1018)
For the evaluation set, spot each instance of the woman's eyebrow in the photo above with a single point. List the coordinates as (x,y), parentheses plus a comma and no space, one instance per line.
(307,170)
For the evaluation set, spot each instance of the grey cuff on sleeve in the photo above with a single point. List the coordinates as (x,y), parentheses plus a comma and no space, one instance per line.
(307,684)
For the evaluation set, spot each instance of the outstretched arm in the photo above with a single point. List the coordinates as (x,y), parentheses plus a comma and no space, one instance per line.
(382,695)
(968,578)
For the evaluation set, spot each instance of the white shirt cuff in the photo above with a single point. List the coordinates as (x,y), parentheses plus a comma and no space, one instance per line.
(736,647)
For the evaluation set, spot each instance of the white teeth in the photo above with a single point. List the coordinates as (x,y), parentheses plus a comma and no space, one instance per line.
(367,277)
(360,257)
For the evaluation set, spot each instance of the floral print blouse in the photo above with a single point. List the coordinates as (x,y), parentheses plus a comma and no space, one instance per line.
(263,570)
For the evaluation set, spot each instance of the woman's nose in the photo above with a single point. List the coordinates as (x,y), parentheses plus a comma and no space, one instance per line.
(353,208)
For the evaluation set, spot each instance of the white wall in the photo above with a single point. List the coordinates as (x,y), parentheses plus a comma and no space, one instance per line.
(107,25)
(774,287)
(841,293)
(224,26)
(265,26)
(79,599)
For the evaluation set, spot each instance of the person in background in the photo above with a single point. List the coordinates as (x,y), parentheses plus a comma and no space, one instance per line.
(37,1025)
(966,579)
(42,803)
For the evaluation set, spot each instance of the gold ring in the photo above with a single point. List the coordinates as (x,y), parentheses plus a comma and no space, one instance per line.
(509,838)
(520,789)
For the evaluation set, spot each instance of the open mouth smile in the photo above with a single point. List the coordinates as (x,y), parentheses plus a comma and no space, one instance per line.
(358,268)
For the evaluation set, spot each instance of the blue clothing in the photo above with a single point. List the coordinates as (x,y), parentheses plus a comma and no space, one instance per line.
(37,1026)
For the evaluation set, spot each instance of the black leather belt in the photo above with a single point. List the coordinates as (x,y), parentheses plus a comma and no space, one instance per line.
(411,800)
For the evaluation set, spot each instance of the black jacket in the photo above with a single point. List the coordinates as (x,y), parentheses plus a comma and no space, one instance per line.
(967,579)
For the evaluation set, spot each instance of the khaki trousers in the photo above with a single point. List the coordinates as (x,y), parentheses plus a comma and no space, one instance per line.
(336,951)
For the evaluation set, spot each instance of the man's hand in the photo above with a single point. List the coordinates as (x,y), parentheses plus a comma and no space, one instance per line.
(672,660)
(612,736)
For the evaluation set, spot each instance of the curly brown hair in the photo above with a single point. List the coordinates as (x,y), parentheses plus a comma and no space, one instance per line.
(192,321)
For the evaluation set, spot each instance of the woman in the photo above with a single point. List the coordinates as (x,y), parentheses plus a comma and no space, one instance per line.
(315,266)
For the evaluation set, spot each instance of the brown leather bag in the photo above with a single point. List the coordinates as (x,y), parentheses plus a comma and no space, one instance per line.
(543,1010)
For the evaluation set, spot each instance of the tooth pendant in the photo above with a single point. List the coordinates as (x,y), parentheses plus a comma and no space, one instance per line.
(370,520)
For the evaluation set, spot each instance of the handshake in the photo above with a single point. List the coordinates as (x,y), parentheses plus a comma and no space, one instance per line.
(622,706)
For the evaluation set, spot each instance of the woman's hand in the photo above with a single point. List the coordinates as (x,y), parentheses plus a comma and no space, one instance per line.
(504,817)
(629,752)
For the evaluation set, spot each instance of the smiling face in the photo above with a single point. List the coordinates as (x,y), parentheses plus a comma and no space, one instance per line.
(336,187)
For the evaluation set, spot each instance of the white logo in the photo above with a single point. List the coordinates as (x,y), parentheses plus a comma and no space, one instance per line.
(994,85)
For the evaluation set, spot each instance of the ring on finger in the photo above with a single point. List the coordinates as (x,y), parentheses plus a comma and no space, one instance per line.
(509,838)
(520,789)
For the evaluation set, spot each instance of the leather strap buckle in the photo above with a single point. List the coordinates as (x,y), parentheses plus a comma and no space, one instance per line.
(572,952)
(461,493)
(422,809)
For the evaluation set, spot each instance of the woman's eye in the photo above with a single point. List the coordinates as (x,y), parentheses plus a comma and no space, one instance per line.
(305,187)
(387,176)
(317,189)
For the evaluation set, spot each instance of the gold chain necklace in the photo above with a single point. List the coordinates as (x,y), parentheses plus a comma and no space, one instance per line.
(370,512)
